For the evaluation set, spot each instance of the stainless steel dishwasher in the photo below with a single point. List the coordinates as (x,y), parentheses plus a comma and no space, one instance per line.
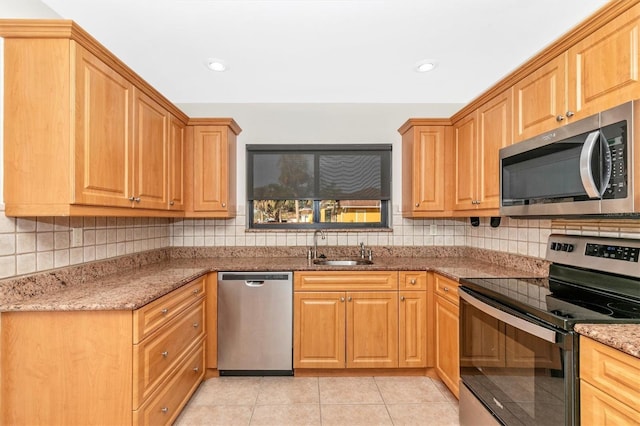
(255,323)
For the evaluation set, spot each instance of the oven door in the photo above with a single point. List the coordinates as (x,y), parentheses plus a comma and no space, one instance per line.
(519,370)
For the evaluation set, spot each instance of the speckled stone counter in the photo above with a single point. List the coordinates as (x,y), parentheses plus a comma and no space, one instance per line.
(624,337)
(145,277)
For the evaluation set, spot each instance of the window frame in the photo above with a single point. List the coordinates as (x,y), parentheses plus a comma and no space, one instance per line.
(385,204)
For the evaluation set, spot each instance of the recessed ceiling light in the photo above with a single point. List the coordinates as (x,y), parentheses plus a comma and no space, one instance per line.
(426,65)
(215,64)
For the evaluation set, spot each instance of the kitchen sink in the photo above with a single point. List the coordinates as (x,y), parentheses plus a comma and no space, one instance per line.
(343,262)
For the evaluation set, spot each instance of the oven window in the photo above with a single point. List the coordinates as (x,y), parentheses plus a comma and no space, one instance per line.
(518,376)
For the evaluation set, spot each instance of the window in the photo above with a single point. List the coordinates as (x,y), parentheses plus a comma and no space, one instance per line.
(318,186)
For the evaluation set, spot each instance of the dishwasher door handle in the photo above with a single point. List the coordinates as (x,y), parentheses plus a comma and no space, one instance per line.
(254,283)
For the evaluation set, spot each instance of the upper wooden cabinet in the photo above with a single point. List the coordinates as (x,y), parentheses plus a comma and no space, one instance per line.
(176,164)
(599,71)
(477,140)
(424,162)
(102,148)
(211,168)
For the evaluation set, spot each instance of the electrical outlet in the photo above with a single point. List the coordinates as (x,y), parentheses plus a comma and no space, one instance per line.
(433,229)
(76,237)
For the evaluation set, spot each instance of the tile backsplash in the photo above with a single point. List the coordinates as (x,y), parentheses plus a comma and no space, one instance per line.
(29,245)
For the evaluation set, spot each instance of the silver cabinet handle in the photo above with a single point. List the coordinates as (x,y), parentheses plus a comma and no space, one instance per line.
(137,199)
(446,289)
(349,299)
(417,204)
(164,410)
(224,204)
(402,298)
(559,118)
(165,354)
(196,291)
(196,369)
(342,299)
(164,311)
(171,203)
(570,114)
(131,198)
(413,281)
(196,325)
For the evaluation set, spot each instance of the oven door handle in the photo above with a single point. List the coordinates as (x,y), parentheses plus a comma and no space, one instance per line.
(512,320)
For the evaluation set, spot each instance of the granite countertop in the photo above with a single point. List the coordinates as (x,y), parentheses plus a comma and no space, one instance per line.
(624,337)
(133,288)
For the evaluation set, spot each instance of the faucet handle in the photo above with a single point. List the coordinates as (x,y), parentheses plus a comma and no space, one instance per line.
(370,255)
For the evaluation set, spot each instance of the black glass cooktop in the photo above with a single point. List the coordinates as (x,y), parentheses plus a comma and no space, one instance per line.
(558,303)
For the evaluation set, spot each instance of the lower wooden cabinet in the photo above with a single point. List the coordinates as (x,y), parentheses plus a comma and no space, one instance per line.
(104,367)
(609,392)
(447,332)
(360,319)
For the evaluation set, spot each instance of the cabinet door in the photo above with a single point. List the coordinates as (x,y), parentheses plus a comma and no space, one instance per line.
(447,352)
(319,330)
(465,162)
(372,329)
(412,343)
(176,164)
(495,119)
(210,169)
(150,155)
(423,170)
(103,132)
(604,67)
(539,99)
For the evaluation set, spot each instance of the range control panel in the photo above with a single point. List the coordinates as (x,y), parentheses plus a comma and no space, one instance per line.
(613,255)
(629,254)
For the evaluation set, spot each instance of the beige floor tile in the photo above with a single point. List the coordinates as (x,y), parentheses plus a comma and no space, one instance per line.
(288,390)
(430,413)
(227,391)
(349,390)
(215,415)
(354,415)
(445,391)
(290,415)
(408,390)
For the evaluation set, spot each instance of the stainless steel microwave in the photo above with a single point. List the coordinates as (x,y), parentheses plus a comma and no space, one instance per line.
(583,168)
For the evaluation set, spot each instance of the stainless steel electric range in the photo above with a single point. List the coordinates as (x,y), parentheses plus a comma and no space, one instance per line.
(518,350)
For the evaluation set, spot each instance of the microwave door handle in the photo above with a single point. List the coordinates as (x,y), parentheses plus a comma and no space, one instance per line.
(586,174)
(519,323)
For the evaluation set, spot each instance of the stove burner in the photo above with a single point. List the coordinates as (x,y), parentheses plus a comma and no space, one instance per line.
(626,307)
(591,306)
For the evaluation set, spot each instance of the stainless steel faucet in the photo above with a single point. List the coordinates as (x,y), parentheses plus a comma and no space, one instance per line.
(363,252)
(315,241)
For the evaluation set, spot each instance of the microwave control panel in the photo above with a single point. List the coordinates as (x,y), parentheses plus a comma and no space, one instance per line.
(617,187)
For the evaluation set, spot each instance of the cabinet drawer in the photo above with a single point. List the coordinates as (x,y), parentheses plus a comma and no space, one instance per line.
(154,358)
(610,370)
(164,407)
(153,315)
(347,280)
(412,280)
(446,288)
(598,408)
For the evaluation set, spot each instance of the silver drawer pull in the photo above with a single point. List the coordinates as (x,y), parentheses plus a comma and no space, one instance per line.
(164,410)
(196,291)
(196,325)
(196,369)
(446,289)
(165,354)
(413,281)
(402,298)
(165,311)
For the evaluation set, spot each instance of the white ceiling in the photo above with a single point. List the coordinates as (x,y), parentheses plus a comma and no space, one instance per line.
(317,51)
